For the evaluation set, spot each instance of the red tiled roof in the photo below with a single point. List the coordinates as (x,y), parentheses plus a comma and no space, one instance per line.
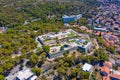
(115,76)
(106,44)
(105,69)
(117,56)
(1,31)
(118,48)
(106,78)
(118,68)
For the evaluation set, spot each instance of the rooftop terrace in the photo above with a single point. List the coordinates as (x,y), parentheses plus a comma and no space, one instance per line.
(62,41)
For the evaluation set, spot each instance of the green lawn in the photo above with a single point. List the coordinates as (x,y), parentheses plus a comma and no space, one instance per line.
(71,35)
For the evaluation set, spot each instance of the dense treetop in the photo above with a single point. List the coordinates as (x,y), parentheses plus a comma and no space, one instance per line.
(14,12)
(20,39)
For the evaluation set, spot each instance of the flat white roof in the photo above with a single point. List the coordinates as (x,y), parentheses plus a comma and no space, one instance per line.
(86,67)
(65,16)
(33,78)
(99,28)
(24,74)
(116,72)
(78,16)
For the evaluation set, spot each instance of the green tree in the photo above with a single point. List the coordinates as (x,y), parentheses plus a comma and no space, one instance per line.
(111,49)
(61,71)
(46,48)
(83,21)
(43,77)
(6,45)
(85,75)
(74,72)
(66,53)
(2,77)
(37,71)
(7,66)
(33,59)
(1,70)
(104,56)
(39,50)
(100,41)
(115,66)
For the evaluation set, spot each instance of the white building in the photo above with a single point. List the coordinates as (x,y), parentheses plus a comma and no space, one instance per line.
(57,42)
(3,29)
(100,29)
(87,67)
(33,78)
(26,74)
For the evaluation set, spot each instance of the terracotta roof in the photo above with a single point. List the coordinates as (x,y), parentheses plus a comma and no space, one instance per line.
(89,31)
(83,28)
(118,48)
(106,78)
(106,44)
(1,31)
(117,56)
(115,76)
(105,69)
(118,68)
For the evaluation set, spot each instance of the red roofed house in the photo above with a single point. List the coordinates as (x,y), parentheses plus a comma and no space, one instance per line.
(108,64)
(104,71)
(114,77)
(106,78)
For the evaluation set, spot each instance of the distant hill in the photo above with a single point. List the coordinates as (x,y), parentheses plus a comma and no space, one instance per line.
(14,12)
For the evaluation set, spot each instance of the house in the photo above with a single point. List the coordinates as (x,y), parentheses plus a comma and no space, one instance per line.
(87,67)
(106,78)
(112,61)
(26,74)
(83,28)
(114,77)
(106,44)
(13,73)
(118,56)
(108,64)
(104,71)
(118,62)
(68,40)
(118,50)
(33,78)
(3,29)
(118,68)
(100,29)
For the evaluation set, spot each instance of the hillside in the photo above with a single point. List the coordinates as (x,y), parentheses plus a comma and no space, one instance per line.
(14,12)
